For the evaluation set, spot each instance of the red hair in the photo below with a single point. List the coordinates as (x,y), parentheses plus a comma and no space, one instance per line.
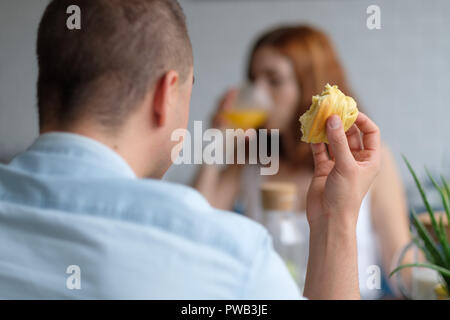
(315,64)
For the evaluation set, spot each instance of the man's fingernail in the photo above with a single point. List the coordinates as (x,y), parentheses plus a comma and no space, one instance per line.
(334,122)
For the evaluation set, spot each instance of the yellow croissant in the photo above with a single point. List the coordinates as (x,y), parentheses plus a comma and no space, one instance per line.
(330,101)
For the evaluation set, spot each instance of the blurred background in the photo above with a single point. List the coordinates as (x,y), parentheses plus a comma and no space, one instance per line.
(398,73)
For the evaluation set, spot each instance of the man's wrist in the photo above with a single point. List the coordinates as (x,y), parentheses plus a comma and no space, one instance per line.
(332,266)
(336,227)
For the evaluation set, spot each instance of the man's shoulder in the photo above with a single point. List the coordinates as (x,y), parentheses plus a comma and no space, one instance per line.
(181,212)
(177,210)
(184,212)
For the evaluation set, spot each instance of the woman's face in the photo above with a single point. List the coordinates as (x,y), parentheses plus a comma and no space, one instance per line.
(274,73)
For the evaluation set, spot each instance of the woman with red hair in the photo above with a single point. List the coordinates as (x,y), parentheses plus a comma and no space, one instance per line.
(292,64)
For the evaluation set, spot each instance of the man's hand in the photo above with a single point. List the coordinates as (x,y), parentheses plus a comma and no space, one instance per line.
(342,177)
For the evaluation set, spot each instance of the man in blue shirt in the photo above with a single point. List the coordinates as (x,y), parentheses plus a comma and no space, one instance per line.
(82,212)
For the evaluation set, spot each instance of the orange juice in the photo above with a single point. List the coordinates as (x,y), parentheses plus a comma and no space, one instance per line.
(246,118)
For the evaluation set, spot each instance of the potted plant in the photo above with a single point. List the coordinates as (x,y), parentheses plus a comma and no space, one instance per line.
(434,243)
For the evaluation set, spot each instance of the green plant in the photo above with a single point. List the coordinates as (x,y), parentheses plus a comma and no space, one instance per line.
(437,253)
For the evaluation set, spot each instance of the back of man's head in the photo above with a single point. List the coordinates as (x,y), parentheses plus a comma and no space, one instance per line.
(103,70)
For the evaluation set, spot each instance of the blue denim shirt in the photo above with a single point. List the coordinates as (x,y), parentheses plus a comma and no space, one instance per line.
(75,222)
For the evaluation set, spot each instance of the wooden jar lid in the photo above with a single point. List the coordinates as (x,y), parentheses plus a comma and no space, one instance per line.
(278,196)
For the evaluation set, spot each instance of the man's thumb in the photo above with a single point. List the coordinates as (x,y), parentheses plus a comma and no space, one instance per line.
(338,142)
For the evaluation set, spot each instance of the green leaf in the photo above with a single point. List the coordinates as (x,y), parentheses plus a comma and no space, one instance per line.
(428,241)
(446,186)
(439,230)
(447,192)
(438,258)
(445,245)
(442,226)
(441,270)
(422,247)
(422,193)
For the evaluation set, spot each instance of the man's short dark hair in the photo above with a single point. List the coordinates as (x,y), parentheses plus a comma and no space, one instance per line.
(104,69)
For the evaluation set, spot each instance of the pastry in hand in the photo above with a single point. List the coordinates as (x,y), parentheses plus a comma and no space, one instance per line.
(330,101)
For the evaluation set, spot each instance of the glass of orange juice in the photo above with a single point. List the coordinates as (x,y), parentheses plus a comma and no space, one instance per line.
(250,109)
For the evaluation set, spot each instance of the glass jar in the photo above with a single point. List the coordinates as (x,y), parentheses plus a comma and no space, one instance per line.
(289,230)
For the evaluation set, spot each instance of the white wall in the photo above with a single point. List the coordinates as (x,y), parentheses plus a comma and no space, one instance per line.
(400,73)
(18,72)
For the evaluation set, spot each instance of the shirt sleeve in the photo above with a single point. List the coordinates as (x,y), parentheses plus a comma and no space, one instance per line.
(269,278)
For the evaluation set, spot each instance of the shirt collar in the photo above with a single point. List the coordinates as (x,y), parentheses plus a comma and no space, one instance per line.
(82,147)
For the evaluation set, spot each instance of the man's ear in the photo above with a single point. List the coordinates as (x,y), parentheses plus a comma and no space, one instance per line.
(165,97)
